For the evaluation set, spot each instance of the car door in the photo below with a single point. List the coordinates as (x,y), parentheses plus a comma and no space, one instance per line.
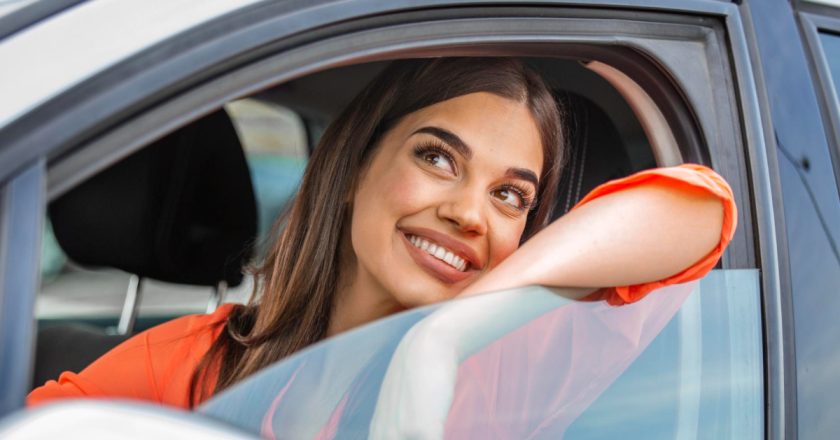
(812,138)
(684,73)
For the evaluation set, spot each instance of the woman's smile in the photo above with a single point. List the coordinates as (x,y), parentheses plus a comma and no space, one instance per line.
(440,252)
(443,257)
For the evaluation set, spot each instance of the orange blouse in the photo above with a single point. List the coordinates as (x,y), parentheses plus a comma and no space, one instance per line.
(157,364)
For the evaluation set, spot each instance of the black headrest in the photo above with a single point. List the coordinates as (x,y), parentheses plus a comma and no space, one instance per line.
(596,151)
(181,210)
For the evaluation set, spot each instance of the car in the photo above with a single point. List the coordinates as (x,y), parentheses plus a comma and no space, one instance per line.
(98,96)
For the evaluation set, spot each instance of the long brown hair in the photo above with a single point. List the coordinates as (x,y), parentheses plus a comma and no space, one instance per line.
(299,276)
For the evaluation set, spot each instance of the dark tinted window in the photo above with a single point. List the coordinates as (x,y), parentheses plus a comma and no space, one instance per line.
(809,201)
(812,214)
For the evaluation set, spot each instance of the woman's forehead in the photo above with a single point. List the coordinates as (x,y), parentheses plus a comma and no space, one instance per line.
(487,124)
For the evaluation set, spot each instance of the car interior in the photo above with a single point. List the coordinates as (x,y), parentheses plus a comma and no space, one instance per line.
(172,228)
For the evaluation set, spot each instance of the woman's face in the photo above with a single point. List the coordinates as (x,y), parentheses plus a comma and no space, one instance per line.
(445,198)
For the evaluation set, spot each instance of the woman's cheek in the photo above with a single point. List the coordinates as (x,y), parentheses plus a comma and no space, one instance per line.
(505,250)
(504,243)
(408,191)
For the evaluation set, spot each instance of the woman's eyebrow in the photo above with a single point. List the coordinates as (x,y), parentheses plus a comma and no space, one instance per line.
(455,142)
(450,138)
(524,174)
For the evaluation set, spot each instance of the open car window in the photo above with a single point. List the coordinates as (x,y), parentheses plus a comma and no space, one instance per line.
(276,129)
(684,360)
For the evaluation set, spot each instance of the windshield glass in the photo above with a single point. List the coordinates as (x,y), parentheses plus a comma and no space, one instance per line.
(526,363)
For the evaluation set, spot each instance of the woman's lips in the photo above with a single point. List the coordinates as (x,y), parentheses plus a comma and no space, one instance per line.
(439,252)
(436,266)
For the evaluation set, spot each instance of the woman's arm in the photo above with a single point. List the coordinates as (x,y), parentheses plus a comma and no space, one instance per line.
(646,230)
(630,237)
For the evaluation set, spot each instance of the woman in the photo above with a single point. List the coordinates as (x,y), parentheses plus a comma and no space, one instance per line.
(424,189)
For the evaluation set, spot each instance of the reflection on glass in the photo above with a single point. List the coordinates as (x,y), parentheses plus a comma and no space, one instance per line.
(274,140)
(831,47)
(812,217)
(526,363)
(700,378)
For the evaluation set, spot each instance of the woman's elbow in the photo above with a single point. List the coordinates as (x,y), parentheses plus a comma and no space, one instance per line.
(696,222)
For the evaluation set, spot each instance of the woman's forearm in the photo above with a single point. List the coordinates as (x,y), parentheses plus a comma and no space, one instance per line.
(634,236)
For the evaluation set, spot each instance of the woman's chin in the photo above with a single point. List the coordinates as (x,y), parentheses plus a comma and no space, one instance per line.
(428,291)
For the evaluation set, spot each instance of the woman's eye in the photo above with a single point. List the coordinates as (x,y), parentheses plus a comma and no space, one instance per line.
(510,197)
(438,159)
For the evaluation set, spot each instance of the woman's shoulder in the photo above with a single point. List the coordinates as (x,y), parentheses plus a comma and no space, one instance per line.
(154,365)
(190,326)
(183,332)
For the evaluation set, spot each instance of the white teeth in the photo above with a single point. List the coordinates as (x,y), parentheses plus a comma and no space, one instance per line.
(439,252)
(461,264)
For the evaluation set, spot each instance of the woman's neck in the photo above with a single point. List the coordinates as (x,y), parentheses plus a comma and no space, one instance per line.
(359,300)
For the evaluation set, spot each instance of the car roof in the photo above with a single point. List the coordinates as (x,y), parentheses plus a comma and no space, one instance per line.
(8,7)
(79,42)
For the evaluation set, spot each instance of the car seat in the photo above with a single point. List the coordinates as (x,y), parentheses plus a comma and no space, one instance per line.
(596,152)
(181,210)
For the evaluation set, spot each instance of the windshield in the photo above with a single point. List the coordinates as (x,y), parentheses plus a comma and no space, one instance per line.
(525,363)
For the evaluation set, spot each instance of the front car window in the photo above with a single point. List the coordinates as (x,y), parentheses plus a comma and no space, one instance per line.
(684,360)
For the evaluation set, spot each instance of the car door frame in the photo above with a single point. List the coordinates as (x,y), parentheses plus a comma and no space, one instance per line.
(22,204)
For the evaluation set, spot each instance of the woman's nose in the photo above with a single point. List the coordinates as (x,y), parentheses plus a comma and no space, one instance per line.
(465,210)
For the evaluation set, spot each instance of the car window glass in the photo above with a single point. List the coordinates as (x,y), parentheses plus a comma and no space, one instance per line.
(274,140)
(686,359)
(831,47)
(700,378)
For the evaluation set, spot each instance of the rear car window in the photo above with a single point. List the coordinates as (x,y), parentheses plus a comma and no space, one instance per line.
(274,142)
(831,47)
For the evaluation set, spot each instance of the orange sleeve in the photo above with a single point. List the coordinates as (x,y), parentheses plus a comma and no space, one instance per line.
(686,177)
(155,365)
